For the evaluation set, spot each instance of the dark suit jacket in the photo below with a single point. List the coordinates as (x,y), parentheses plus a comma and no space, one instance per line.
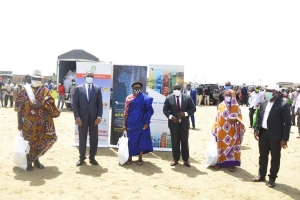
(83,107)
(279,120)
(170,108)
(193,94)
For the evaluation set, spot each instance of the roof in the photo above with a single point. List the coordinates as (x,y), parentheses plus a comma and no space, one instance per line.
(5,73)
(78,55)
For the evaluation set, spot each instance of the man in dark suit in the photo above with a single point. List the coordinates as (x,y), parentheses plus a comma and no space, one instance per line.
(177,108)
(88,108)
(272,130)
(191,92)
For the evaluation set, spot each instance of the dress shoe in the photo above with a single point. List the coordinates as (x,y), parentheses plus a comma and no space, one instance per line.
(187,163)
(193,127)
(259,178)
(79,162)
(93,162)
(173,163)
(271,183)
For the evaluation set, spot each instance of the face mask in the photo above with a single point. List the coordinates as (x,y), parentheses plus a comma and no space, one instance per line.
(269,95)
(177,92)
(35,83)
(188,87)
(227,87)
(298,89)
(227,99)
(73,83)
(256,91)
(136,91)
(89,80)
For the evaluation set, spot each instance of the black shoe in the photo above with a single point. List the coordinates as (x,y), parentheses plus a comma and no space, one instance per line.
(173,163)
(38,164)
(94,162)
(271,183)
(187,163)
(79,162)
(259,178)
(193,127)
(29,167)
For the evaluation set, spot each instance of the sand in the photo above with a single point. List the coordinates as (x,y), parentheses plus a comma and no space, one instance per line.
(156,179)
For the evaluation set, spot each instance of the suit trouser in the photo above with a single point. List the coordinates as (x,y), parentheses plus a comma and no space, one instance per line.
(93,132)
(1,98)
(200,97)
(266,145)
(10,99)
(180,137)
(245,100)
(193,120)
(251,113)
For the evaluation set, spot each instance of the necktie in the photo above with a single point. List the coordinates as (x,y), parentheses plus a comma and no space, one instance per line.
(89,91)
(178,104)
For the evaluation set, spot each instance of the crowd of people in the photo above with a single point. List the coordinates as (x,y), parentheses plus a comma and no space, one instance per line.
(272,111)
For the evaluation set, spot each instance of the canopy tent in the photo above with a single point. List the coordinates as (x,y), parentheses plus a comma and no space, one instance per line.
(78,55)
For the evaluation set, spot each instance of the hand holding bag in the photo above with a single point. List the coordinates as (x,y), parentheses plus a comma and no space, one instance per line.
(21,149)
(123,152)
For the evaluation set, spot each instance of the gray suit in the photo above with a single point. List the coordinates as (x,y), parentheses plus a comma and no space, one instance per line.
(179,131)
(88,111)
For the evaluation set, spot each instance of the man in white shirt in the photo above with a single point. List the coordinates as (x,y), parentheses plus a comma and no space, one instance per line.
(255,98)
(9,87)
(294,96)
(297,112)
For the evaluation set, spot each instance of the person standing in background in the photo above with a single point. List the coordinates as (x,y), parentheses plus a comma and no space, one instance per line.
(1,91)
(61,95)
(207,92)
(294,97)
(245,95)
(9,87)
(199,95)
(71,92)
(191,92)
(255,99)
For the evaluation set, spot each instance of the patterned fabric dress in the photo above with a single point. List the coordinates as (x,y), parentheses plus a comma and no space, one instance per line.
(139,110)
(229,137)
(37,123)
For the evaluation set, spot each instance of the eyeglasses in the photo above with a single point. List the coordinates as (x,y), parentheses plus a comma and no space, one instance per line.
(90,76)
(177,89)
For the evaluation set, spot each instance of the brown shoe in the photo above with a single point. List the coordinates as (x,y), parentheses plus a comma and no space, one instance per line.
(271,183)
(173,163)
(259,178)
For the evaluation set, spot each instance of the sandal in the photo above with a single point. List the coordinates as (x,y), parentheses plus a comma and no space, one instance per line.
(231,168)
(140,162)
(298,136)
(217,166)
(38,164)
(128,162)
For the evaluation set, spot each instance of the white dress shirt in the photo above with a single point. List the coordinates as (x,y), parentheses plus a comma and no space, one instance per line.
(255,99)
(185,113)
(266,115)
(87,89)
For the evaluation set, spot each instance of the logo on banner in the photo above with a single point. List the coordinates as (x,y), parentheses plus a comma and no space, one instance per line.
(105,89)
(105,104)
(93,68)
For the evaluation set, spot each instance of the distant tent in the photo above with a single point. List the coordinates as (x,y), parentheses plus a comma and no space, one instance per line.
(78,55)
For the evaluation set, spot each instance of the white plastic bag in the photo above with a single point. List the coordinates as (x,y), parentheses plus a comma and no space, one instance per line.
(212,153)
(20,151)
(123,152)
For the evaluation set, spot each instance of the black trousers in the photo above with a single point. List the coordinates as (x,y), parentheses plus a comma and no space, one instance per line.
(245,100)
(293,116)
(179,138)
(10,99)
(298,120)
(266,145)
(1,98)
(93,132)
(251,113)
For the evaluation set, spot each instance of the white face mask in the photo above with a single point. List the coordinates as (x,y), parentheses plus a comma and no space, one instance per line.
(298,89)
(89,80)
(36,83)
(177,92)
(227,99)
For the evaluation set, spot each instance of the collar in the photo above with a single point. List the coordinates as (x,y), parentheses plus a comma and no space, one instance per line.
(87,85)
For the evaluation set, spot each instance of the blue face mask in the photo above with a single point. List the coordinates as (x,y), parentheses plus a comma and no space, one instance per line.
(89,80)
(269,95)
(227,87)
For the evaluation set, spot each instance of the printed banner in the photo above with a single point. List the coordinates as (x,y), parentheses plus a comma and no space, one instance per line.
(161,80)
(102,78)
(123,77)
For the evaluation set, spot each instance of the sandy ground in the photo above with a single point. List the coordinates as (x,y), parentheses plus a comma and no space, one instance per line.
(156,179)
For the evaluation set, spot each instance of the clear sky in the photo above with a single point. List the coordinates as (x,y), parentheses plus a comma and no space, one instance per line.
(241,41)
